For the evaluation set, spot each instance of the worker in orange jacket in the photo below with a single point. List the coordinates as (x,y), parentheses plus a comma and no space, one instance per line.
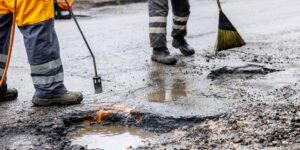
(35,21)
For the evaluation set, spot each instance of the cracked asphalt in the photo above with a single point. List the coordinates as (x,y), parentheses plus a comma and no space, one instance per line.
(119,37)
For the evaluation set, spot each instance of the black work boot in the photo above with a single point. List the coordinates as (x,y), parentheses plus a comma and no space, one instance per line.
(183,46)
(9,95)
(162,55)
(69,98)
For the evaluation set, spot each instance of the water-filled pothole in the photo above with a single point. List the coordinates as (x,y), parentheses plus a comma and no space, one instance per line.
(110,137)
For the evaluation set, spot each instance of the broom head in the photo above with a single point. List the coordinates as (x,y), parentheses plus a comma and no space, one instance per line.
(228,36)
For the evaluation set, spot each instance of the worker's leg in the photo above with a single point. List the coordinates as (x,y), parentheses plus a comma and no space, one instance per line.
(41,44)
(158,12)
(5,28)
(43,53)
(181,12)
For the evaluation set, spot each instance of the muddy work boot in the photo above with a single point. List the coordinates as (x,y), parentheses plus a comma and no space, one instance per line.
(181,44)
(9,95)
(162,55)
(69,98)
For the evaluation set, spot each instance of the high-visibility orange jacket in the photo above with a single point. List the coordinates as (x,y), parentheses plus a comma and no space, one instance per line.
(29,12)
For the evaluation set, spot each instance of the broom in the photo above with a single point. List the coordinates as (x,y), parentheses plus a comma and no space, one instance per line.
(228,36)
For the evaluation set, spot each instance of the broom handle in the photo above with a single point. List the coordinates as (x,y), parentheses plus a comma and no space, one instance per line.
(219,5)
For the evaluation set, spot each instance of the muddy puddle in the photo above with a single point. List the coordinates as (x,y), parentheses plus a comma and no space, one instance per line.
(110,137)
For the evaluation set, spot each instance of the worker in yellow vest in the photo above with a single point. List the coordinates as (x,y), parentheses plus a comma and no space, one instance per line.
(35,21)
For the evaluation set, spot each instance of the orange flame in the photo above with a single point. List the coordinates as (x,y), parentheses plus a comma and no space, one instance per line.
(101,115)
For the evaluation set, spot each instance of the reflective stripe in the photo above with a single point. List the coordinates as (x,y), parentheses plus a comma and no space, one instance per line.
(47,79)
(181,19)
(158,30)
(179,27)
(39,69)
(158,19)
(3,58)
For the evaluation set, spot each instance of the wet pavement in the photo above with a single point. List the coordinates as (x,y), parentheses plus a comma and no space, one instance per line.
(119,37)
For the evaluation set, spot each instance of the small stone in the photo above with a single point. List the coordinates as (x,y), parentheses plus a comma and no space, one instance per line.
(213,145)
(237,139)
(234,127)
(262,140)
(275,143)
(285,143)
(294,111)
(185,127)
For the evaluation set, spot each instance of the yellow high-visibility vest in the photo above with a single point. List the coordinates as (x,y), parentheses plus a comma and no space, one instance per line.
(29,12)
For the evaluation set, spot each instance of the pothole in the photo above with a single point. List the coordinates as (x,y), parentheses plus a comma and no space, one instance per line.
(110,137)
(111,127)
(242,72)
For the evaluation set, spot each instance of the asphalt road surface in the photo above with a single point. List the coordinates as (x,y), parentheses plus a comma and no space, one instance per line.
(119,37)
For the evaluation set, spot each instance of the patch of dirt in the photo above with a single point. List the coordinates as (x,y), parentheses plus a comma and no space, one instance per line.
(246,72)
(254,126)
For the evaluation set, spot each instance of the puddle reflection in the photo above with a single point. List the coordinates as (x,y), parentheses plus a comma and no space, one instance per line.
(177,91)
(110,137)
(167,88)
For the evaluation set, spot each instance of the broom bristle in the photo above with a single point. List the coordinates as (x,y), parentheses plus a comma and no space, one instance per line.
(228,36)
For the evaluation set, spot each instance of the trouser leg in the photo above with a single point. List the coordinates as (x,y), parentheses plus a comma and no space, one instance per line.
(5,29)
(158,12)
(44,58)
(181,12)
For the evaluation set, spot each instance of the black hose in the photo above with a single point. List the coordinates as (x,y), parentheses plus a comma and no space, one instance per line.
(85,40)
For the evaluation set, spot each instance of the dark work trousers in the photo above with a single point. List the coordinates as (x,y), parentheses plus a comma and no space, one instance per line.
(158,12)
(43,55)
